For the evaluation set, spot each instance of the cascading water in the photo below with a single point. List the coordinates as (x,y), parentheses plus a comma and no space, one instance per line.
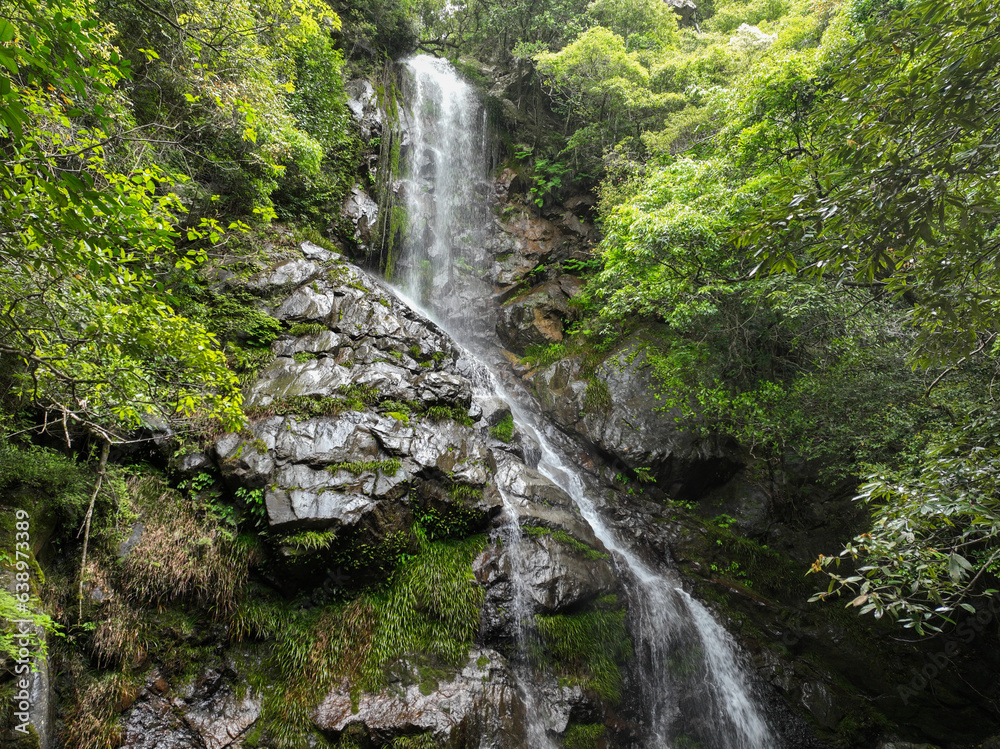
(694,691)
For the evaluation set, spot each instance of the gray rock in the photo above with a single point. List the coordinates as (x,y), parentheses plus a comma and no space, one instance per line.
(362,211)
(249,462)
(284,274)
(538,317)
(285,378)
(686,9)
(560,577)
(363,103)
(207,713)
(316,343)
(326,440)
(317,253)
(481,700)
(540,502)
(441,387)
(192,463)
(307,304)
(306,497)
(627,421)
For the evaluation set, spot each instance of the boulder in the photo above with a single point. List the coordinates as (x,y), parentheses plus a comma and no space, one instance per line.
(538,317)
(208,713)
(686,10)
(617,409)
(481,700)
(362,101)
(361,210)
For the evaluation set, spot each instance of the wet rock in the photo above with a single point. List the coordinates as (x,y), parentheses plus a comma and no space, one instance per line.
(618,411)
(539,502)
(208,713)
(249,462)
(562,574)
(362,211)
(326,440)
(317,253)
(480,701)
(284,274)
(316,343)
(685,9)
(362,101)
(305,497)
(441,387)
(538,317)
(191,463)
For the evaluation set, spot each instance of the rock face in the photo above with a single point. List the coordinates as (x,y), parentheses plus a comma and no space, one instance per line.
(363,104)
(365,420)
(539,316)
(686,10)
(361,210)
(480,706)
(207,713)
(617,410)
(350,435)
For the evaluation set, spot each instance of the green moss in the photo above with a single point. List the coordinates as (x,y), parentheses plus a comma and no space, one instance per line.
(307,328)
(584,736)
(234,315)
(419,741)
(302,357)
(348,398)
(387,467)
(535,531)
(455,413)
(589,648)
(310,540)
(597,399)
(504,430)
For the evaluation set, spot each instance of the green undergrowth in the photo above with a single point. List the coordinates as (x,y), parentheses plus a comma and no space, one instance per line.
(387,467)
(456,518)
(584,736)
(504,429)
(455,413)
(426,615)
(348,398)
(307,328)
(308,541)
(417,741)
(535,531)
(597,398)
(589,648)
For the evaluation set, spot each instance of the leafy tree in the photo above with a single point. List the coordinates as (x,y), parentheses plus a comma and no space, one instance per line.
(898,187)
(85,247)
(642,24)
(896,190)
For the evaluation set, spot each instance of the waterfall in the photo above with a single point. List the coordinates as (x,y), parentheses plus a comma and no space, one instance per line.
(693,689)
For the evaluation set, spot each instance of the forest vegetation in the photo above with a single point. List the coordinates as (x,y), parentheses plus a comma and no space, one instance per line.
(797,197)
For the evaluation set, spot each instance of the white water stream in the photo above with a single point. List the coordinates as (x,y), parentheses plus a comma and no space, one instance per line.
(691,689)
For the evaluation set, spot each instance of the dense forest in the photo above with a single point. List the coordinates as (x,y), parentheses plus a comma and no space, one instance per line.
(796,212)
